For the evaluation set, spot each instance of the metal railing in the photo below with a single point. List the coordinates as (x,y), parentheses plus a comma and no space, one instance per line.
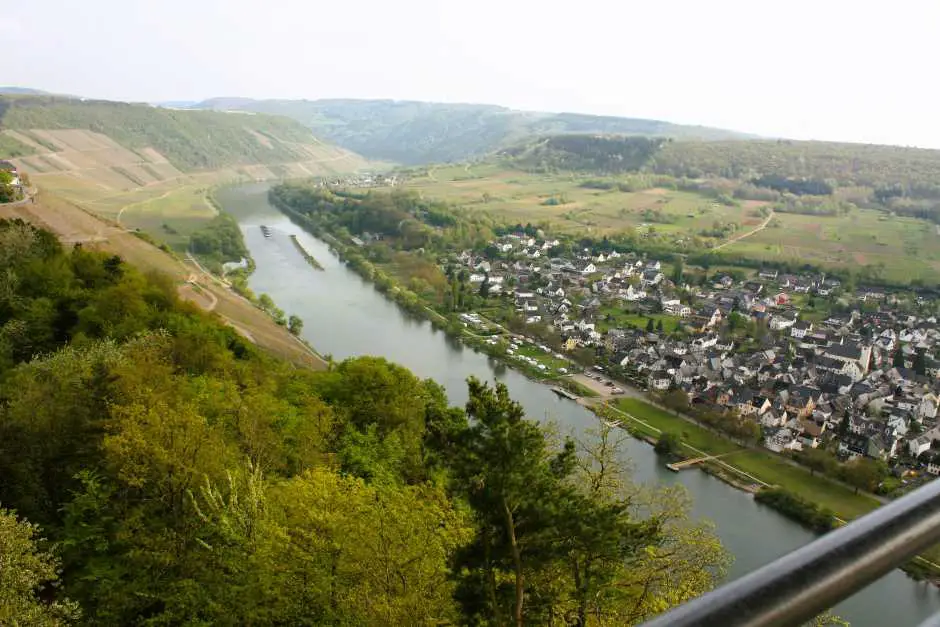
(800,585)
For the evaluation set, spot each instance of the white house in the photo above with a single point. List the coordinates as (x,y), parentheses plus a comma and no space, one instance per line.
(650,278)
(779,323)
(660,380)
(918,445)
(800,329)
(590,268)
(633,295)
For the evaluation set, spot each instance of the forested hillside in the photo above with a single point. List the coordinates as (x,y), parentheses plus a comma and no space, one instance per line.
(156,469)
(424,132)
(190,140)
(596,154)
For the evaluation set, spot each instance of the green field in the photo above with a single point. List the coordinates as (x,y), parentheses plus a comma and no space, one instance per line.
(620,318)
(904,247)
(171,217)
(764,465)
(514,196)
(893,247)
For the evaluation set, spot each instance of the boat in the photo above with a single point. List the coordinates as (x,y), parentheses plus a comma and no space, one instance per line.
(266,231)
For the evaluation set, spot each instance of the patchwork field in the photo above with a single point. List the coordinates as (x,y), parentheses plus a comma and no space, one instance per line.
(896,247)
(892,247)
(560,201)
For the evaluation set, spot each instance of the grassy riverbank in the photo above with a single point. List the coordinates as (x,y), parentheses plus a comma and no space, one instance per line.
(772,469)
(765,466)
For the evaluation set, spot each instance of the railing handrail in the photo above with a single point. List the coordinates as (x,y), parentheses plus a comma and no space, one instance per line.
(800,585)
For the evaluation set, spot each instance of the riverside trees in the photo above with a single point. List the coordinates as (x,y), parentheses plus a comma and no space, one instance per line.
(183,477)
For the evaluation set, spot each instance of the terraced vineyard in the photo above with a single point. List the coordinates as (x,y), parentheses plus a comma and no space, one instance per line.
(151,168)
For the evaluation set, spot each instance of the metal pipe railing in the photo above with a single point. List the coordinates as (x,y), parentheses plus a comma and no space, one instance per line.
(802,584)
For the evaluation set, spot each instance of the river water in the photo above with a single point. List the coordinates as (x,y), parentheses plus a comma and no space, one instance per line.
(344,317)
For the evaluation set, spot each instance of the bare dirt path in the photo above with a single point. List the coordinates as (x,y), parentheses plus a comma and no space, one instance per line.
(738,238)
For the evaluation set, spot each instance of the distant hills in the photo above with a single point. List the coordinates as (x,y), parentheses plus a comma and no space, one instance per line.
(189,140)
(414,133)
(21,91)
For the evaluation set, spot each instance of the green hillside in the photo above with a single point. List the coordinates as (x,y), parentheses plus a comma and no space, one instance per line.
(190,140)
(846,164)
(422,132)
(596,154)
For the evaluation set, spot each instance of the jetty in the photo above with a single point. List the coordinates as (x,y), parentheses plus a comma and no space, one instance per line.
(564,393)
(688,463)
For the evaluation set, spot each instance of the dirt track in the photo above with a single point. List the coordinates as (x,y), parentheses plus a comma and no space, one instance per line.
(73,225)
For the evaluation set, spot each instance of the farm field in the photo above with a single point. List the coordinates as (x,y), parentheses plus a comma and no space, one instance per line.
(173,216)
(559,200)
(899,247)
(895,248)
(140,189)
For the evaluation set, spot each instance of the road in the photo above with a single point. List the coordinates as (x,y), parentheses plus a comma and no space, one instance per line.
(738,238)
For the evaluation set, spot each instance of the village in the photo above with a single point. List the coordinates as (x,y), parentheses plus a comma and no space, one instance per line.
(802,361)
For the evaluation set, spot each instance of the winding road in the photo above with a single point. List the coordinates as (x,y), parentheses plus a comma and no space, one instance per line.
(738,238)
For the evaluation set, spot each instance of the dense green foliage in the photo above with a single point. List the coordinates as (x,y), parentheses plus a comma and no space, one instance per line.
(796,508)
(191,140)
(184,478)
(26,573)
(8,191)
(587,153)
(218,242)
(423,132)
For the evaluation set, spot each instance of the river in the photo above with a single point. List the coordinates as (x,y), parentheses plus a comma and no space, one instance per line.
(344,317)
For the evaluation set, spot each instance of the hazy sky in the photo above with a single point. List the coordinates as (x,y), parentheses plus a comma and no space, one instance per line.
(861,70)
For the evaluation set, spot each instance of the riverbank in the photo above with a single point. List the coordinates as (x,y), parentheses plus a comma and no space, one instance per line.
(524,355)
(752,470)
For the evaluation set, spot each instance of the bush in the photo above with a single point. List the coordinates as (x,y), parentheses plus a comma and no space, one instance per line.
(667,444)
(796,508)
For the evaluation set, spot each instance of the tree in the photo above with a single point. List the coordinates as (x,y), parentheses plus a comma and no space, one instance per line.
(920,362)
(667,559)
(485,286)
(677,270)
(659,326)
(27,575)
(650,325)
(844,425)
(295,325)
(818,460)
(667,444)
(509,476)
(864,474)
(360,553)
(897,360)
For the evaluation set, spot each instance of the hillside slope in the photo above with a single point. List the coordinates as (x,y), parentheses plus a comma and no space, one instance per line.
(422,132)
(188,140)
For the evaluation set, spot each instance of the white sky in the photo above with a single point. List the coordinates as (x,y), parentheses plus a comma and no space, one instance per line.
(862,70)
